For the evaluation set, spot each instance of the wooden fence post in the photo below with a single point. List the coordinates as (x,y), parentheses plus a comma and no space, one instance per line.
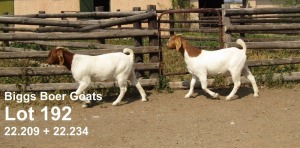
(172,24)
(5,43)
(243,17)
(44,48)
(100,9)
(119,26)
(138,41)
(153,41)
(63,18)
(226,22)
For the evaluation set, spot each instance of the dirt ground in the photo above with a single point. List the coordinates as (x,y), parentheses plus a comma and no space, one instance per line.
(169,120)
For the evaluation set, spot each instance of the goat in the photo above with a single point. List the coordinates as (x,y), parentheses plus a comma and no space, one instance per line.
(106,67)
(203,63)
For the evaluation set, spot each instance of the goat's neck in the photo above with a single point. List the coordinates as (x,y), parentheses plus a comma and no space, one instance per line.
(68,58)
(191,50)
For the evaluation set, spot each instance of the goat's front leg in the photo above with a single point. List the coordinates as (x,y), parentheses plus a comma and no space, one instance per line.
(203,81)
(192,85)
(123,89)
(82,86)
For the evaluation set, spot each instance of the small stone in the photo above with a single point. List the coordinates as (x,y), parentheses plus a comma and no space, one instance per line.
(232,123)
(95,117)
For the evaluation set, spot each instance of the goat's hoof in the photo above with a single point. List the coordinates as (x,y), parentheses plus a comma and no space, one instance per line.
(187,96)
(144,100)
(256,95)
(115,103)
(85,106)
(216,96)
(228,98)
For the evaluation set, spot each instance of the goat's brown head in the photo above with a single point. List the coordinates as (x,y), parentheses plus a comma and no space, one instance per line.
(180,44)
(175,42)
(55,56)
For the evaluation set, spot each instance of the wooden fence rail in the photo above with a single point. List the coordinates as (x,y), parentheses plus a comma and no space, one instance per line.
(252,11)
(47,71)
(80,15)
(65,86)
(77,36)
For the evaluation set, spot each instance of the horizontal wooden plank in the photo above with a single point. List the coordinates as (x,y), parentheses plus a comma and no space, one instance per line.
(80,15)
(265,20)
(75,44)
(202,30)
(14,49)
(86,45)
(76,36)
(61,70)
(264,27)
(270,45)
(45,22)
(283,32)
(294,76)
(44,54)
(249,11)
(78,23)
(268,62)
(66,86)
(256,63)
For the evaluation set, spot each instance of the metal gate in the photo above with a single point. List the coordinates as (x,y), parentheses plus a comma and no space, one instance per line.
(202,27)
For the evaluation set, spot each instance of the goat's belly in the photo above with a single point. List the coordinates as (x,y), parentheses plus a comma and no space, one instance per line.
(98,78)
(213,73)
(217,71)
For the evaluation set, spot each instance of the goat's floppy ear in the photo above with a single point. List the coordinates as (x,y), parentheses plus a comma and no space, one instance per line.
(60,56)
(178,42)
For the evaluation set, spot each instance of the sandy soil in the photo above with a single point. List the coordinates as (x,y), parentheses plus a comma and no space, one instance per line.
(169,120)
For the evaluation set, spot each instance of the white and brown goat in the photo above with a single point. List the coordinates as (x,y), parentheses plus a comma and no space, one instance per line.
(203,63)
(106,67)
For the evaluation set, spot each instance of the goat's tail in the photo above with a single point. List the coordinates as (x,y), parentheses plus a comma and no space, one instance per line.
(242,43)
(131,54)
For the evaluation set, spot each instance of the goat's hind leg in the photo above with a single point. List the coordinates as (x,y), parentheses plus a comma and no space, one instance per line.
(247,73)
(236,78)
(137,84)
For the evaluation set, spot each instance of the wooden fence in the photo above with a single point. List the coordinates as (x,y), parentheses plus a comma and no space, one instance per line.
(279,25)
(139,25)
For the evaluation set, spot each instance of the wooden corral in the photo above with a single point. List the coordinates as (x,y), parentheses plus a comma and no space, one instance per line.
(50,30)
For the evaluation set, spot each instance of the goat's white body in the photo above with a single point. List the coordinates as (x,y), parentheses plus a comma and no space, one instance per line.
(215,62)
(209,63)
(106,67)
